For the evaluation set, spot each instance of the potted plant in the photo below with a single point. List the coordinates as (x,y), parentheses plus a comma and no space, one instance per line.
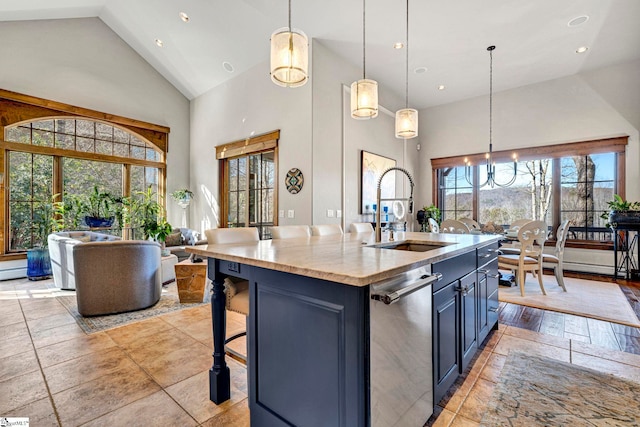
(158,231)
(622,213)
(45,221)
(183,196)
(97,208)
(426,212)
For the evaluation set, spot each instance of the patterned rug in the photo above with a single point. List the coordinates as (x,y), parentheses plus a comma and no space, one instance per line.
(168,302)
(587,298)
(537,391)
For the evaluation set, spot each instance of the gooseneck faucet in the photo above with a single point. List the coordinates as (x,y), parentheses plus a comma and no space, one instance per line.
(378,199)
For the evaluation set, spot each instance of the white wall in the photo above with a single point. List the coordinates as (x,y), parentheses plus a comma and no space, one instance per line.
(569,109)
(598,104)
(250,104)
(82,62)
(338,139)
(311,122)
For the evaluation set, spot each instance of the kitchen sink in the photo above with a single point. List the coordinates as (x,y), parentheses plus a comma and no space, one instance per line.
(411,245)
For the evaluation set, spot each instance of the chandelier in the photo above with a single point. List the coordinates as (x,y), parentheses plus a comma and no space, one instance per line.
(491,164)
(407,118)
(289,56)
(364,92)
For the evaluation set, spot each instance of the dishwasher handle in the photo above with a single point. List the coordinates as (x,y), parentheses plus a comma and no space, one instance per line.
(394,296)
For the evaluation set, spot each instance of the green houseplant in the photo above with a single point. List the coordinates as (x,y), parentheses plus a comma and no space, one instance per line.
(182,195)
(97,207)
(621,213)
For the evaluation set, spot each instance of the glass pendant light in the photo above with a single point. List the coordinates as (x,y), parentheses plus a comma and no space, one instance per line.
(407,118)
(289,56)
(364,92)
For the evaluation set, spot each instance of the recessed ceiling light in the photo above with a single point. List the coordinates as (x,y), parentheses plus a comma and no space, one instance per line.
(420,70)
(227,67)
(398,45)
(159,43)
(579,20)
(582,49)
(441,87)
(184,16)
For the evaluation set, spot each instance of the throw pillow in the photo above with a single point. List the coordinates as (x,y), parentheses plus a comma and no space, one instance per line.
(173,239)
(83,239)
(189,237)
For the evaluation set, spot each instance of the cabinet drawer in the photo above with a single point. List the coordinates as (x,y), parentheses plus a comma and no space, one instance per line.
(232,268)
(490,270)
(487,254)
(454,268)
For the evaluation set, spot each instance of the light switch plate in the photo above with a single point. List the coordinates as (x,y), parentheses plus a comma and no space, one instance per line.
(338,213)
(281,213)
(290,213)
(329,213)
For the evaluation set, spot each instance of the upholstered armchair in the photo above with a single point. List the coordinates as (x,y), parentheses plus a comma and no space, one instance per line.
(116,276)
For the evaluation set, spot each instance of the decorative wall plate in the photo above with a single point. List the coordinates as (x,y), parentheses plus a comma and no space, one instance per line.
(294,180)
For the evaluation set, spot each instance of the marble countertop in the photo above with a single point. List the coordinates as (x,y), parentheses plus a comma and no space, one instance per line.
(349,258)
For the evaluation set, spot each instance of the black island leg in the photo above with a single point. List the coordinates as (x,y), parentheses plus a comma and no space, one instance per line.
(219,376)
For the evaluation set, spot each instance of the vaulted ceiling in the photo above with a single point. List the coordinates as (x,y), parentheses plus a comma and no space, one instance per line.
(534,40)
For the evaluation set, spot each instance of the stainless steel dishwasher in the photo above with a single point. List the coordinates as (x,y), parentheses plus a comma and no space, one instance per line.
(401,377)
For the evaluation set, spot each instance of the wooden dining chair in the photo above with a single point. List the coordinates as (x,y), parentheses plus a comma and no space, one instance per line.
(453,226)
(531,237)
(236,290)
(556,258)
(471,224)
(290,231)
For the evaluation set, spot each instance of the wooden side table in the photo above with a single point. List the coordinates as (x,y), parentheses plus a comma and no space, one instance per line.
(191,279)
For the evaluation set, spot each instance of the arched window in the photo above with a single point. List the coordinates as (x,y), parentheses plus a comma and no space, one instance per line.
(69,155)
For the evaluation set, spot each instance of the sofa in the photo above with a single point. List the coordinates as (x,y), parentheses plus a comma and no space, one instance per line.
(61,246)
(116,276)
(181,237)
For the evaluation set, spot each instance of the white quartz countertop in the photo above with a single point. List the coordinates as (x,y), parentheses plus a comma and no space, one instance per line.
(348,258)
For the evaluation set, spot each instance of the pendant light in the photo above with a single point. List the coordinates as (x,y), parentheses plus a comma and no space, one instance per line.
(491,164)
(407,118)
(364,92)
(289,56)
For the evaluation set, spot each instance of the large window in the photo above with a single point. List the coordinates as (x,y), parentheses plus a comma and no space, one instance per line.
(248,186)
(554,183)
(49,149)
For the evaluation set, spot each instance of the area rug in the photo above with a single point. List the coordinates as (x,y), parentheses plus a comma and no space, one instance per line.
(588,298)
(537,391)
(168,302)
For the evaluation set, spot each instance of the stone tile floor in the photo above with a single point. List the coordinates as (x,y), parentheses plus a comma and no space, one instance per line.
(155,372)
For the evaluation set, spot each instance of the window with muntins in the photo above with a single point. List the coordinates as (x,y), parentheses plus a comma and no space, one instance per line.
(568,181)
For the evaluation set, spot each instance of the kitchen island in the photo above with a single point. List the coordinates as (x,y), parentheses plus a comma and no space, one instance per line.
(323,352)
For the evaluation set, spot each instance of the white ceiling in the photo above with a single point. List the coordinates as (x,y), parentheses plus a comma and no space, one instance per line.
(534,42)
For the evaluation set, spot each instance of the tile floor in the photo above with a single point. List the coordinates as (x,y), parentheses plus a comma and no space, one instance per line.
(155,372)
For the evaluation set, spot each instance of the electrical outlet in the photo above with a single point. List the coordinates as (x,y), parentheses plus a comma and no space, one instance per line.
(338,213)
(291,213)
(330,213)
(281,213)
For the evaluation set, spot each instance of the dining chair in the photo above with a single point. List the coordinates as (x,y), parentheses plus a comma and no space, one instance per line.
(518,223)
(558,255)
(361,227)
(433,225)
(453,226)
(531,237)
(236,290)
(471,224)
(290,231)
(325,229)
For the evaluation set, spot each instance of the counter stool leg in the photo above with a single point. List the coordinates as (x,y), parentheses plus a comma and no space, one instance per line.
(219,376)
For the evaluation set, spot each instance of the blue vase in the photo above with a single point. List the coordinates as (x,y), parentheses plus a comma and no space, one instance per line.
(38,264)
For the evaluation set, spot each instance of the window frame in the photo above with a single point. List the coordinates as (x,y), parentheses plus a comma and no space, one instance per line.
(17,109)
(267,142)
(616,145)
